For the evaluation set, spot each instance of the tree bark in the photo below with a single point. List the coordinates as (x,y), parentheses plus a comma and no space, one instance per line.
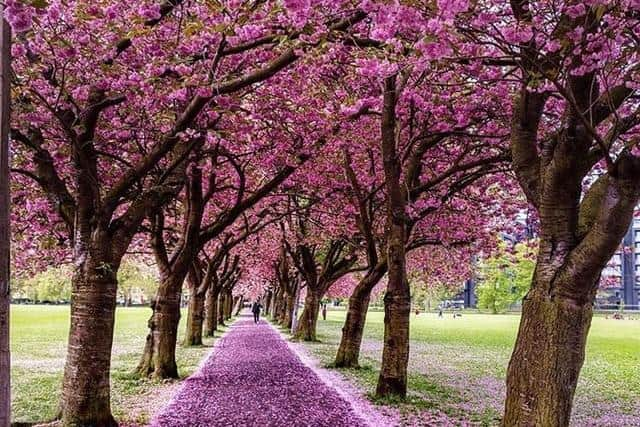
(275,301)
(306,329)
(580,230)
(349,350)
(289,301)
(211,317)
(267,306)
(195,317)
(159,357)
(220,314)
(395,353)
(228,306)
(556,314)
(239,305)
(546,362)
(5,201)
(397,305)
(281,308)
(86,384)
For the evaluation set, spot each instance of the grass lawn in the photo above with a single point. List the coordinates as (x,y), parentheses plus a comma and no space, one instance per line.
(457,367)
(38,346)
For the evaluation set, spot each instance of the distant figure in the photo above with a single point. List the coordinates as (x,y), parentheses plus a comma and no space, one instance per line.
(440,312)
(417,311)
(324,311)
(255,309)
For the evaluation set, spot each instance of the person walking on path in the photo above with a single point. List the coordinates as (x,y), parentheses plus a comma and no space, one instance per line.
(324,311)
(255,309)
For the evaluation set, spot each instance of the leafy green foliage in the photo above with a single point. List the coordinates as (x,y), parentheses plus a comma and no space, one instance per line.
(505,278)
(135,278)
(53,284)
(427,296)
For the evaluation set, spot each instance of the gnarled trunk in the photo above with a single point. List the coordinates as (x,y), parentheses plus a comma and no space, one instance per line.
(395,354)
(306,329)
(195,317)
(239,305)
(228,306)
(267,306)
(281,308)
(579,233)
(275,303)
(349,349)
(546,362)
(159,357)
(86,384)
(221,303)
(287,321)
(211,313)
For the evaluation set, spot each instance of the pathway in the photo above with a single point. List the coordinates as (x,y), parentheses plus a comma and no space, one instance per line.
(253,378)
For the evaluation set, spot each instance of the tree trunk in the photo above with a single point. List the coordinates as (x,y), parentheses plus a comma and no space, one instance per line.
(267,306)
(284,309)
(159,357)
(288,311)
(544,368)
(85,397)
(211,316)
(281,308)
(306,329)
(353,329)
(395,354)
(228,306)
(195,317)
(221,303)
(239,305)
(349,349)
(275,302)
(5,235)
(397,304)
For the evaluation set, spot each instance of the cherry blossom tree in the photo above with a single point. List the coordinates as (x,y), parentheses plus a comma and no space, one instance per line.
(336,136)
(90,136)
(573,137)
(5,272)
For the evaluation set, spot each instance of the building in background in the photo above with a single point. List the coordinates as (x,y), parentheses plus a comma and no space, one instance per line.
(620,286)
(469,293)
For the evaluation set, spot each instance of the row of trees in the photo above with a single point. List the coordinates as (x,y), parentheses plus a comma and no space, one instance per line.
(267,147)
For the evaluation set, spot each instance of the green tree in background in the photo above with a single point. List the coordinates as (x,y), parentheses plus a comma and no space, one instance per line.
(53,284)
(428,296)
(135,278)
(136,281)
(505,278)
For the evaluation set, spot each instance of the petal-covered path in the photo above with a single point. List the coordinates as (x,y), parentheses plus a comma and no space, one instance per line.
(252,378)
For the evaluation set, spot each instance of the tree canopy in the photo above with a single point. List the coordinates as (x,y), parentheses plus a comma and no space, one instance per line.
(276,148)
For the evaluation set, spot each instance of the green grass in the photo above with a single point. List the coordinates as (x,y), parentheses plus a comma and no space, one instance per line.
(38,346)
(458,366)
